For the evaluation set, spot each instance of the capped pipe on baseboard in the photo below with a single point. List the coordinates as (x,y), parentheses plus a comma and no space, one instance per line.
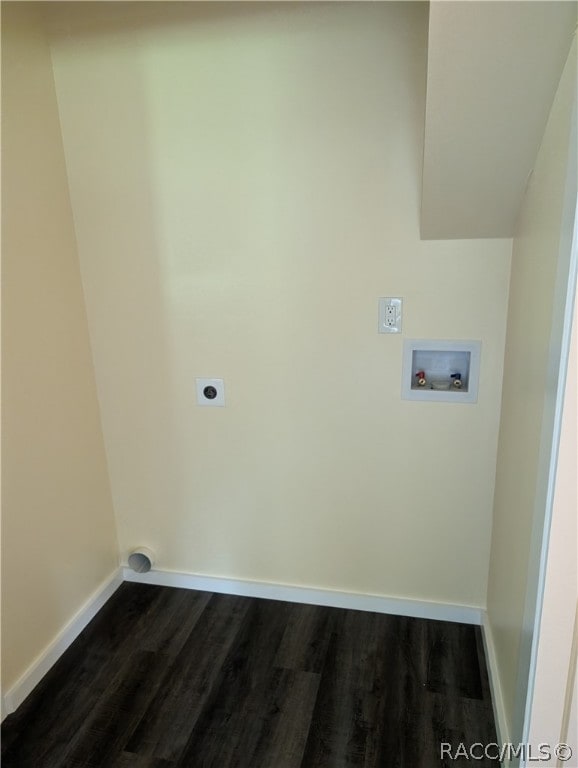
(141,560)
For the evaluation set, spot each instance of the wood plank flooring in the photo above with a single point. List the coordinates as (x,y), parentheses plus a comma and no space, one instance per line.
(166,678)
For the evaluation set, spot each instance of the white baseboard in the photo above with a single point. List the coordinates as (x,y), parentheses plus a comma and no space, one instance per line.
(12,699)
(503,732)
(464,614)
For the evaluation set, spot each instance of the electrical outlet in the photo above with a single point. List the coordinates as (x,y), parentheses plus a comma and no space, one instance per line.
(210,392)
(389,315)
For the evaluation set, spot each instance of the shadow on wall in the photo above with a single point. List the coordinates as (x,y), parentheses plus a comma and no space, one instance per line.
(106,133)
(151,279)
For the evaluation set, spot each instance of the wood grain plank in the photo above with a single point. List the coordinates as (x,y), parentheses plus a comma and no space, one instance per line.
(170,719)
(483,667)
(117,712)
(285,711)
(440,719)
(171,623)
(227,728)
(453,662)
(304,643)
(130,760)
(348,717)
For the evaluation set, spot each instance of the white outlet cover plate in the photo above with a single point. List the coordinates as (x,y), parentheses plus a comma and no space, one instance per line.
(389,315)
(216,402)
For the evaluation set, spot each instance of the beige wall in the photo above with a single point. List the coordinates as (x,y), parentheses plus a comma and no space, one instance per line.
(536,308)
(58,536)
(244,188)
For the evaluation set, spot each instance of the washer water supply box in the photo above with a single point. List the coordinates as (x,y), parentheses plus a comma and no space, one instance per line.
(442,371)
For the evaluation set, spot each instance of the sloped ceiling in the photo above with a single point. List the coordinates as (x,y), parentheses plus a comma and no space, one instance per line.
(493,70)
(493,67)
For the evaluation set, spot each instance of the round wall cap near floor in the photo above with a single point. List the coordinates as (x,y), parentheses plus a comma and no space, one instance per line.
(141,560)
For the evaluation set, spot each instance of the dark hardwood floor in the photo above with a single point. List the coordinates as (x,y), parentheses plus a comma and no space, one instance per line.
(168,677)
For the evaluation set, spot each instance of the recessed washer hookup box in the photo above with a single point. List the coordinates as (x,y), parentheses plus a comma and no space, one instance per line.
(441,371)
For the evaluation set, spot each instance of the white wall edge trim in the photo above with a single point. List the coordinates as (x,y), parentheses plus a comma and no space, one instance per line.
(464,614)
(12,699)
(503,734)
